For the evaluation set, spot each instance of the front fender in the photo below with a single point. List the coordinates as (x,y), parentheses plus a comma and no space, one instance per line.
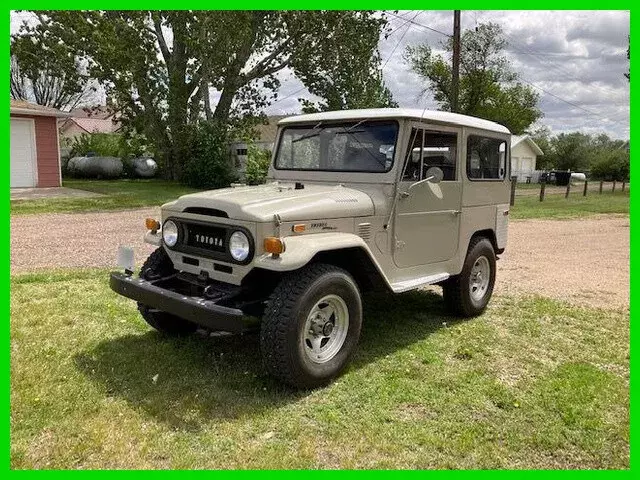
(300,249)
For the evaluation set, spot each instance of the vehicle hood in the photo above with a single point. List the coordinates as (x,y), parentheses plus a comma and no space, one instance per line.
(260,203)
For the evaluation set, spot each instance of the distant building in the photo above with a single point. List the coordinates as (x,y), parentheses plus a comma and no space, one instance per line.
(524,153)
(98,119)
(266,140)
(35,155)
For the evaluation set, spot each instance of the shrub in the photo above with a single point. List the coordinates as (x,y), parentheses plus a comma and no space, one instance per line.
(101,144)
(208,161)
(258,161)
(614,166)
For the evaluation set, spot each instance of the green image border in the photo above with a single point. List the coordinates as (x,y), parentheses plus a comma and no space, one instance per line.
(336,5)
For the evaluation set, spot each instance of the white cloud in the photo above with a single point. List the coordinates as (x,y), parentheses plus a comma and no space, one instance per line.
(579,57)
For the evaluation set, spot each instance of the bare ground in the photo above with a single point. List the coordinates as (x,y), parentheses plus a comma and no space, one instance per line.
(584,261)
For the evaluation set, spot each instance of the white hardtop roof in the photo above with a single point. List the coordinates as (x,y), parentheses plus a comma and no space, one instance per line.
(410,113)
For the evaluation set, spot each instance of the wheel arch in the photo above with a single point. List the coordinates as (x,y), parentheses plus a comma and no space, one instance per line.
(347,251)
(489,234)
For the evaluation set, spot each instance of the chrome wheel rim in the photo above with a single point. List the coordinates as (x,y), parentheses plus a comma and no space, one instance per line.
(479,278)
(325,329)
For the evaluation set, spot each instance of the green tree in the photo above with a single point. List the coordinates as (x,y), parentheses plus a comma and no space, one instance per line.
(628,74)
(344,87)
(614,165)
(47,75)
(571,151)
(347,75)
(159,66)
(258,161)
(489,88)
(542,136)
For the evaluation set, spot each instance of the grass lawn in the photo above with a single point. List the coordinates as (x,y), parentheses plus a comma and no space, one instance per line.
(121,194)
(556,206)
(533,383)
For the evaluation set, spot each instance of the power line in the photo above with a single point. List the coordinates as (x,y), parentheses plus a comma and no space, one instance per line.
(562,99)
(536,55)
(400,41)
(571,103)
(399,27)
(424,26)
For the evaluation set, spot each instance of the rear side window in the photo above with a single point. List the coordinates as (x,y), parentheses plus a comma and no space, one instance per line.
(486,158)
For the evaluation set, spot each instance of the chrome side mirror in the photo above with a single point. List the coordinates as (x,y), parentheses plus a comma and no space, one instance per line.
(434,175)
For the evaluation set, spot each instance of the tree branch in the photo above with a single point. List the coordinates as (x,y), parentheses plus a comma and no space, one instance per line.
(166,54)
(262,67)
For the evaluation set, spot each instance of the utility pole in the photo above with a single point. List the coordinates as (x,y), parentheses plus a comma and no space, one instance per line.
(455,81)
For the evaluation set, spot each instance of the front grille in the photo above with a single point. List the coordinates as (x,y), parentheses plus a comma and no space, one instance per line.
(208,240)
(206,237)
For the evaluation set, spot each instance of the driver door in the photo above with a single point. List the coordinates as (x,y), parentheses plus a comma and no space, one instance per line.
(427,219)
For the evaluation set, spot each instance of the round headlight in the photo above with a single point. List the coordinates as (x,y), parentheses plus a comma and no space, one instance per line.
(239,246)
(170,233)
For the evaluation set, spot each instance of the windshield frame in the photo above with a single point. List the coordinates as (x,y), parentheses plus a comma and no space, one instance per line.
(337,123)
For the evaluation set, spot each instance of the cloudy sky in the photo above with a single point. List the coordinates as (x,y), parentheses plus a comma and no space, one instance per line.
(575,60)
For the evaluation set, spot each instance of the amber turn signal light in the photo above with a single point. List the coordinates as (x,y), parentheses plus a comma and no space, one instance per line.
(152,224)
(299,228)
(273,245)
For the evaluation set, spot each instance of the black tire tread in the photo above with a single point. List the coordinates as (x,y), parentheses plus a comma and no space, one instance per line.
(280,312)
(160,262)
(454,291)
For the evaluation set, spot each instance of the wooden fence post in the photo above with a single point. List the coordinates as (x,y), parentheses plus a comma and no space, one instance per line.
(542,185)
(584,192)
(623,184)
(613,189)
(514,180)
(601,183)
(566,194)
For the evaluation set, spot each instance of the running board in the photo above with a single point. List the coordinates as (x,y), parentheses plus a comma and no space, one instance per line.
(407,285)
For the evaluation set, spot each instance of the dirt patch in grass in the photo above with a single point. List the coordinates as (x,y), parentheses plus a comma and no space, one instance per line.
(582,261)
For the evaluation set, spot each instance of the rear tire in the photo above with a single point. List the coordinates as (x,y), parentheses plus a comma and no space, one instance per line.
(156,266)
(311,326)
(468,293)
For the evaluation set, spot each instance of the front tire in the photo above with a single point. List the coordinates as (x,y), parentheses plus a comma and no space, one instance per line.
(156,266)
(468,293)
(311,326)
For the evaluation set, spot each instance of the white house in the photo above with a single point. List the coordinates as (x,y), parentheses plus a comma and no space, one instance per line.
(524,153)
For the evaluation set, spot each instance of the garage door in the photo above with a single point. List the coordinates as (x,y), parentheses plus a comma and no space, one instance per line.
(23,154)
(527,165)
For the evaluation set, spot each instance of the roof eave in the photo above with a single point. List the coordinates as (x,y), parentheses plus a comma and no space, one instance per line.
(38,113)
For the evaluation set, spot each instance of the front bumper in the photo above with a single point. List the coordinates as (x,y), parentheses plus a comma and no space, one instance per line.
(206,313)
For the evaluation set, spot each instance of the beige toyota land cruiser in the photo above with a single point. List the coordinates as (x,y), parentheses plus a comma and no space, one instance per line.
(355,200)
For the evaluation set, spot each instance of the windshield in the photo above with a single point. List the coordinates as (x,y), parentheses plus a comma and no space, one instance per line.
(358,146)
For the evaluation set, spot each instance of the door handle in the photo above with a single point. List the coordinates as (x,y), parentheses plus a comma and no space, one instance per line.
(404,194)
(456,212)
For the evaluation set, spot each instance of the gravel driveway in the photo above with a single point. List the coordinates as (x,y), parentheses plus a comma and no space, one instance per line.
(582,261)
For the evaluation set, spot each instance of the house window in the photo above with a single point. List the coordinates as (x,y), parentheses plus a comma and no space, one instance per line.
(486,158)
(241,151)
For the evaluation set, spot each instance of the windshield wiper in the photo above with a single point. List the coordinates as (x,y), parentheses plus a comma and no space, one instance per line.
(352,134)
(313,133)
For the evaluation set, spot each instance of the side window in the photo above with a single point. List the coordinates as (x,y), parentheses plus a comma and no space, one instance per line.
(430,149)
(413,159)
(440,151)
(486,158)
